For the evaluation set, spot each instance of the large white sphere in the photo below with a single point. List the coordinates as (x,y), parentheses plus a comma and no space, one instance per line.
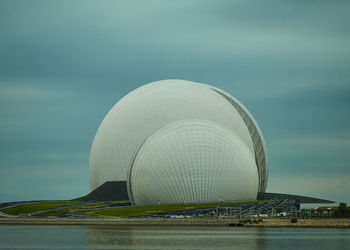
(193,161)
(144,111)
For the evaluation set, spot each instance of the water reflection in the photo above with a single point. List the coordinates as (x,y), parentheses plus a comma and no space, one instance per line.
(218,238)
(109,237)
(177,238)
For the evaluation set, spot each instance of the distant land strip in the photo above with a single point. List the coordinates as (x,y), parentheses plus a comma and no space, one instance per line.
(310,223)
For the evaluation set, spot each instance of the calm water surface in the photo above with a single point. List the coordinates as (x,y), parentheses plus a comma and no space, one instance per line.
(109,237)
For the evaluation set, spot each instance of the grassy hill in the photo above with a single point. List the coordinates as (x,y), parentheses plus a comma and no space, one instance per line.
(33,207)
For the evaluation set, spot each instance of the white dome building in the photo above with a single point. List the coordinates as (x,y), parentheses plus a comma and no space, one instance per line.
(177,141)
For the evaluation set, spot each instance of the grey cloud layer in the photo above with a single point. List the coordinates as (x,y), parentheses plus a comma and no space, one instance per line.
(64,64)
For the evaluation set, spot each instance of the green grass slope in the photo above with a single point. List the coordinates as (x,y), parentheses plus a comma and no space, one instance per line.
(33,207)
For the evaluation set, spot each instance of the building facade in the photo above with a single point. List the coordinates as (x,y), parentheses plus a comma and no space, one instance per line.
(176,141)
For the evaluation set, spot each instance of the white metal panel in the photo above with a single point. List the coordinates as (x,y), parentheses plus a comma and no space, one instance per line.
(147,109)
(193,161)
(257,137)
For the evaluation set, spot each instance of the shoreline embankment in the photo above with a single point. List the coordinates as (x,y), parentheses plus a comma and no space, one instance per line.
(305,223)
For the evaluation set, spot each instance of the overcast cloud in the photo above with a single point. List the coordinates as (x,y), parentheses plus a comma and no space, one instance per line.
(64,64)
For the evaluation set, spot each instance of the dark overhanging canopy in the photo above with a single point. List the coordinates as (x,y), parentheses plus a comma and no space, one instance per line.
(298,198)
(117,191)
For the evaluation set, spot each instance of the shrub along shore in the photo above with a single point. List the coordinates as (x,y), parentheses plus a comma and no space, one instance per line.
(311,223)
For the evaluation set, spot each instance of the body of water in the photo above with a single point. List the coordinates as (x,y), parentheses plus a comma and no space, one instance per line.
(111,237)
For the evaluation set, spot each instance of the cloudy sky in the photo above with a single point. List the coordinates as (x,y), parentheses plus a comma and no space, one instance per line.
(64,64)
